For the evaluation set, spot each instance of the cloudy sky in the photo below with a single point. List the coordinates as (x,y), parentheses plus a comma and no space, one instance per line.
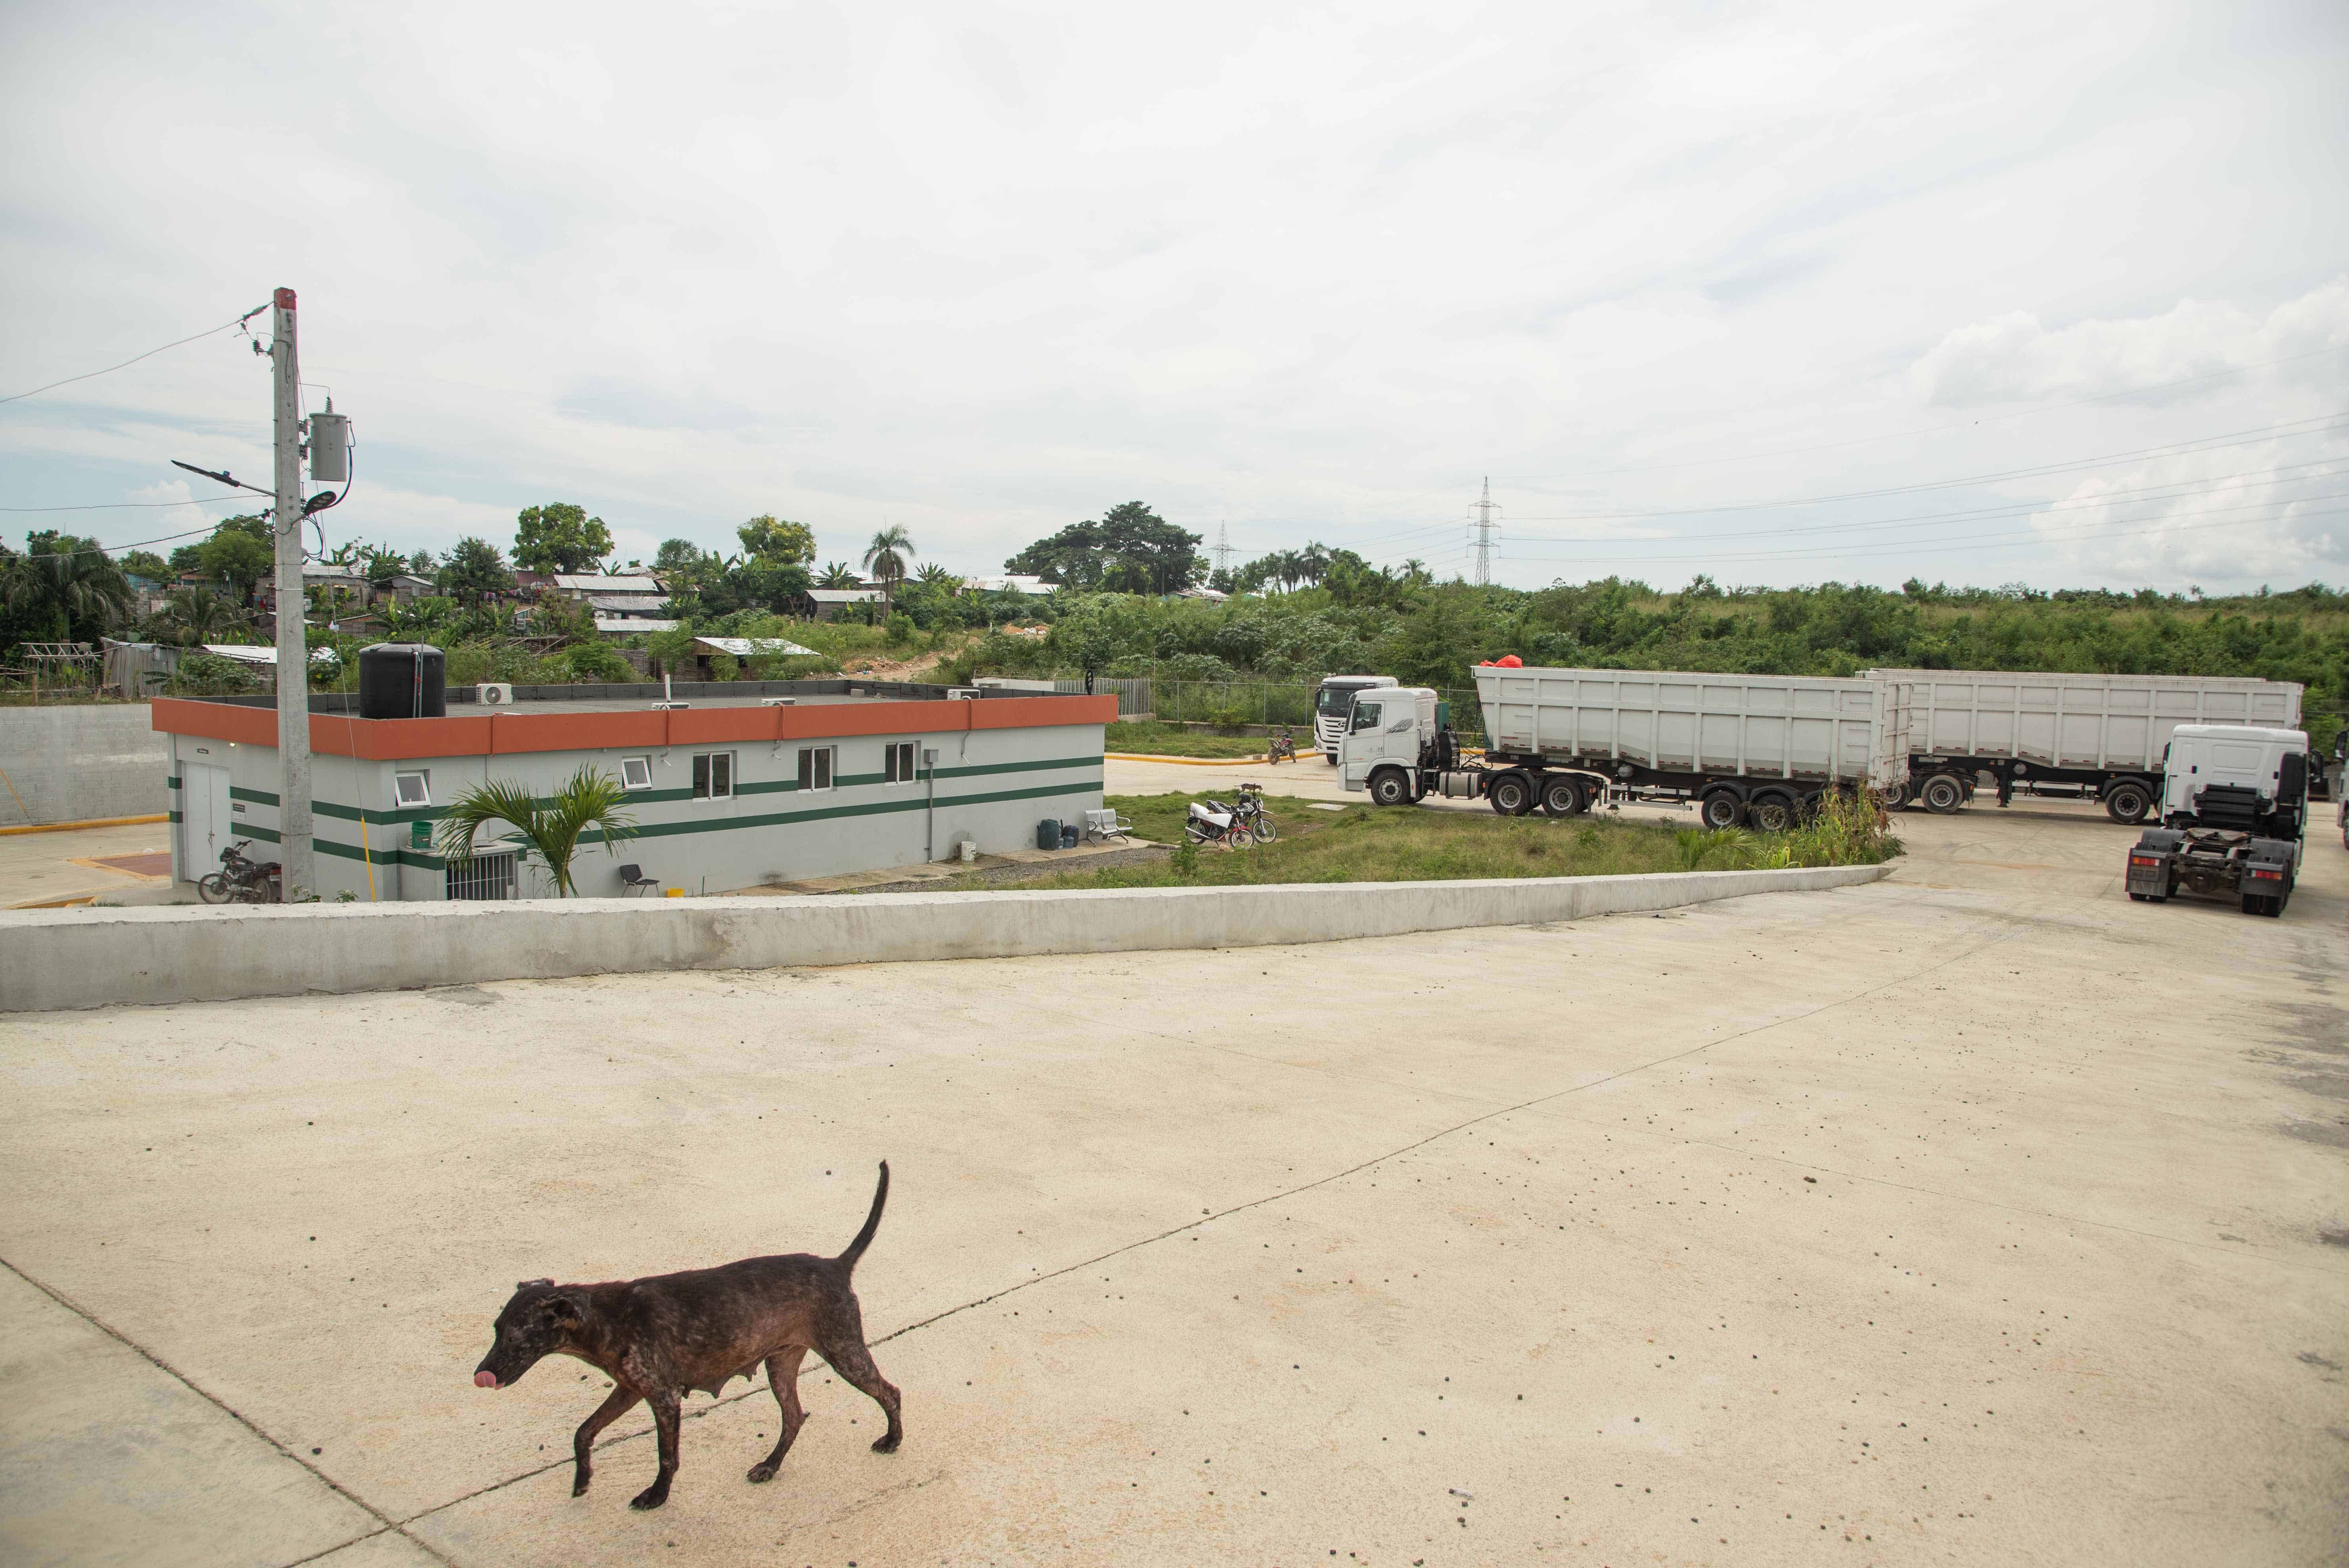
(2043,291)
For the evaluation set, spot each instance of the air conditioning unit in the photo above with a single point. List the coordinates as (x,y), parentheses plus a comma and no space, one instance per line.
(962,694)
(779,702)
(495,694)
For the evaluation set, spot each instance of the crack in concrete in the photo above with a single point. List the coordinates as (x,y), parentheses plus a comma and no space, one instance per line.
(389,1524)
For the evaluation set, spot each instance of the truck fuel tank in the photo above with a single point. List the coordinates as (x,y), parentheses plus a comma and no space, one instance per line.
(1460,786)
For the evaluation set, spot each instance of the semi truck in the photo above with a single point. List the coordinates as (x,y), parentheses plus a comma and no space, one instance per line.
(1744,748)
(2234,810)
(1333,708)
(2089,737)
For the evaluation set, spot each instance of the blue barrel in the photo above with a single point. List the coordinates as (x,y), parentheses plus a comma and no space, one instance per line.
(1048,834)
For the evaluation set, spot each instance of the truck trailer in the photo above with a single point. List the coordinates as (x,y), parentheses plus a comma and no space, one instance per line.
(2089,737)
(1757,748)
(2234,812)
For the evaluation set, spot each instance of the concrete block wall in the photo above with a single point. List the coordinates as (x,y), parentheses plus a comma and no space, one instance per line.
(94,958)
(78,761)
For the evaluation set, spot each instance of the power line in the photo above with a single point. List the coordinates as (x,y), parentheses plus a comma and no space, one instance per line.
(2318,424)
(135,358)
(112,505)
(1968,424)
(1962,542)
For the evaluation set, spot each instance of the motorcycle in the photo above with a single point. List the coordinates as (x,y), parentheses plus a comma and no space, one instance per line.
(1234,826)
(241,880)
(1283,748)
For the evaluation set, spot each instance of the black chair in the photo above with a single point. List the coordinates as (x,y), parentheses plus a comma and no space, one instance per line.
(633,877)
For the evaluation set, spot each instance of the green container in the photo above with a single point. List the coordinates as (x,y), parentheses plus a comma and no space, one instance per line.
(1048,834)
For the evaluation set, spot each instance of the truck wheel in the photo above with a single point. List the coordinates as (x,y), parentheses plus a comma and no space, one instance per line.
(1330,757)
(1771,813)
(1944,794)
(1562,798)
(1512,795)
(1390,787)
(2128,802)
(1896,796)
(1722,808)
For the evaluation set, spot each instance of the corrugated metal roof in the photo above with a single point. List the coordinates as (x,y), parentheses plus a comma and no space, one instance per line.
(744,647)
(843,596)
(595,583)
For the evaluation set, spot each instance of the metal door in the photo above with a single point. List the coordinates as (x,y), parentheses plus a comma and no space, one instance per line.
(204,818)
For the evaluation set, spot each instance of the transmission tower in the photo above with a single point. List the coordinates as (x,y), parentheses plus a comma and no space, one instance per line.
(1223,547)
(1484,510)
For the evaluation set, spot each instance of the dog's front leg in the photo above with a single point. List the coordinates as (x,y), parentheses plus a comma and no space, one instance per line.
(665,1404)
(622,1399)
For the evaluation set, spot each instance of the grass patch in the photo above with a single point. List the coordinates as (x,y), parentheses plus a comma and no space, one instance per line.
(1172,740)
(1406,844)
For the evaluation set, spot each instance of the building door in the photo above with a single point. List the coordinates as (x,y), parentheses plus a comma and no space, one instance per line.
(204,818)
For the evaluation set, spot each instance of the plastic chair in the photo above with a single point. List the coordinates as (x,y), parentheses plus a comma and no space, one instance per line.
(632,877)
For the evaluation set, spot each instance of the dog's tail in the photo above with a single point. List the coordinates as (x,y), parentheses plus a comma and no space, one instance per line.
(872,1221)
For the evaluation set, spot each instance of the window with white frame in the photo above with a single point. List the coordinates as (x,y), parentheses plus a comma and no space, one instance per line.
(713,775)
(635,772)
(897,762)
(815,767)
(412,789)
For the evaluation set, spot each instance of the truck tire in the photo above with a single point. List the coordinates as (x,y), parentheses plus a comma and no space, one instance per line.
(1722,808)
(1330,757)
(1563,797)
(2128,801)
(1773,812)
(1896,796)
(1944,794)
(1390,787)
(1512,794)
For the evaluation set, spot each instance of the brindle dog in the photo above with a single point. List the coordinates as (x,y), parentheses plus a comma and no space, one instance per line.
(658,1337)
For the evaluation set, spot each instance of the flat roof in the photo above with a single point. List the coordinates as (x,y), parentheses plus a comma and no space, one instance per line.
(623,717)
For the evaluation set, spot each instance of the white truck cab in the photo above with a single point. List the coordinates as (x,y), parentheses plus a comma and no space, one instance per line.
(2266,770)
(1333,704)
(1391,726)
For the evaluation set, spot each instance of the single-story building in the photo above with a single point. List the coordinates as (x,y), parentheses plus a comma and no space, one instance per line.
(631,626)
(739,784)
(833,603)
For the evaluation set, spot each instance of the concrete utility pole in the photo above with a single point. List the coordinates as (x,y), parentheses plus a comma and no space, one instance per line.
(297,860)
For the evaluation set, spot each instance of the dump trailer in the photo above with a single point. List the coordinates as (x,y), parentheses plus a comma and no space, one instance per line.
(1744,748)
(2096,738)
(2234,809)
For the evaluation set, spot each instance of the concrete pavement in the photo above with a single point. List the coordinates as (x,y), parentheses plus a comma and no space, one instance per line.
(1977,1216)
(53,868)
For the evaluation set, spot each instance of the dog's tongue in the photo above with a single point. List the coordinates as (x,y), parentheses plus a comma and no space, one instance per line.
(485,1379)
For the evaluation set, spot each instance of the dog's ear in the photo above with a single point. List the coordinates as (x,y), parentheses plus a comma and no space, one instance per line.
(527,1283)
(565,1309)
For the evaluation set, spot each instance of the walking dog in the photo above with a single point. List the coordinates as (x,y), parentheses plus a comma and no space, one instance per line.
(658,1337)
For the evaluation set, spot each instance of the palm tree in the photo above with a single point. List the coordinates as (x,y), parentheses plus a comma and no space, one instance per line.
(198,615)
(882,558)
(549,830)
(68,580)
(935,575)
(836,574)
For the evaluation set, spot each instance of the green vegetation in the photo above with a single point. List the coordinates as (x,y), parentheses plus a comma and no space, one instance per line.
(1171,740)
(548,830)
(559,537)
(1409,843)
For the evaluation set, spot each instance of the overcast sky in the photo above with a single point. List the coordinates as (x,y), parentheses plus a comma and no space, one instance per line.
(1671,276)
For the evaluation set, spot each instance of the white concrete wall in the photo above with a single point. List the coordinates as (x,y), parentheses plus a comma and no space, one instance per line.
(91,958)
(78,761)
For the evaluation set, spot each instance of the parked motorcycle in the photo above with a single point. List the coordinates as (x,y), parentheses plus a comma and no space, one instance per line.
(241,880)
(1282,748)
(1234,826)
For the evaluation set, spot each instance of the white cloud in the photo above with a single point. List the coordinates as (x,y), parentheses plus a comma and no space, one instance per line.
(2014,358)
(988,269)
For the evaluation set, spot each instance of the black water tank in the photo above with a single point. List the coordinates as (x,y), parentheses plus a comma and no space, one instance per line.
(403,680)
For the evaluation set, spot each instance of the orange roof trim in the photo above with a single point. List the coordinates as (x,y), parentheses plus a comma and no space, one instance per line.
(511,730)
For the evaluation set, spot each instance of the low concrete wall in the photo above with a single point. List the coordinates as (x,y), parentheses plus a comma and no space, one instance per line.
(92,958)
(79,760)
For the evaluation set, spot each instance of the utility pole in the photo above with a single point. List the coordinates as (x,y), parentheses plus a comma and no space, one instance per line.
(297,860)
(1484,535)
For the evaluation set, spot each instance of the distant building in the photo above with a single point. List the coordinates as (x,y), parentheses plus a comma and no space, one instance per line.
(831,603)
(1011,582)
